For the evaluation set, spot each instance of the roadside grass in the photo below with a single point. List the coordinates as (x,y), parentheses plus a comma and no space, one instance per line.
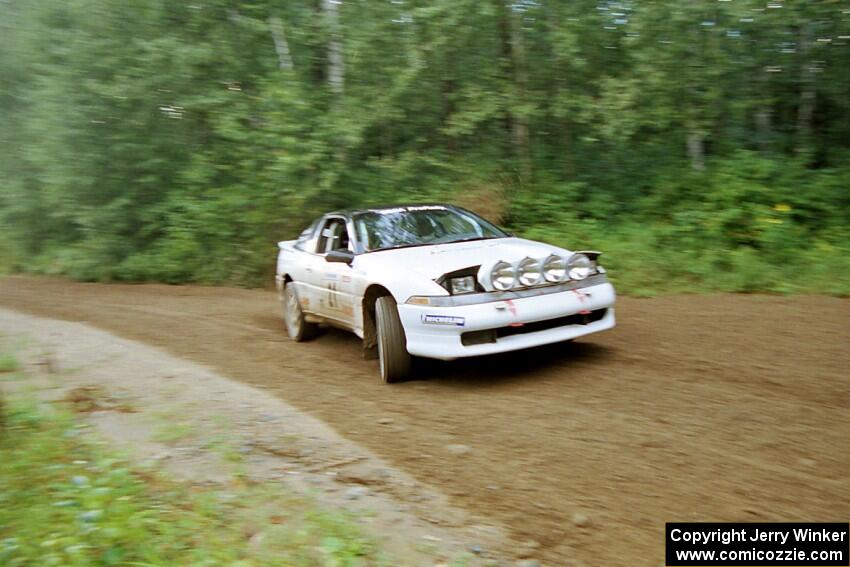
(224,447)
(647,261)
(8,363)
(67,500)
(172,432)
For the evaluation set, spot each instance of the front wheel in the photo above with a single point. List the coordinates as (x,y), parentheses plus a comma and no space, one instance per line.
(393,358)
(296,326)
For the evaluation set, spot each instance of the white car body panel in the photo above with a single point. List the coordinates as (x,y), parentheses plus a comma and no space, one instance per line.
(444,341)
(333,292)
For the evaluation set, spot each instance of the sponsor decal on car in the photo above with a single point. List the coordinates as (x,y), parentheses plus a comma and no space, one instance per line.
(582,297)
(444,320)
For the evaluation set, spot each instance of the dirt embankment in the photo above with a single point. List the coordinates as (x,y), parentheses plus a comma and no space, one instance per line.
(210,431)
(716,407)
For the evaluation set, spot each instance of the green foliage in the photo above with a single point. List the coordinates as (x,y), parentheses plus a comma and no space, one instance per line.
(8,363)
(177,142)
(741,226)
(64,501)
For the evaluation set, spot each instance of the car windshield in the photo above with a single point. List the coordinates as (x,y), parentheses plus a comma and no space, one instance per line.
(420,226)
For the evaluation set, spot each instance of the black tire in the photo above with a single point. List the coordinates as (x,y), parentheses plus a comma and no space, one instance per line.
(393,358)
(297,327)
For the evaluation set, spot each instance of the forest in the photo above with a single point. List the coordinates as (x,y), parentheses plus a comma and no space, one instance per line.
(701,145)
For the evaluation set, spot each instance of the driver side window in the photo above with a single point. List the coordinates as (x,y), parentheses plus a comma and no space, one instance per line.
(333,236)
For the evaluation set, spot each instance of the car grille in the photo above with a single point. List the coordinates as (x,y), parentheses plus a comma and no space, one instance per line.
(492,335)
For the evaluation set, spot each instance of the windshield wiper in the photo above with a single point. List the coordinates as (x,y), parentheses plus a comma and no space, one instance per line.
(396,247)
(470,239)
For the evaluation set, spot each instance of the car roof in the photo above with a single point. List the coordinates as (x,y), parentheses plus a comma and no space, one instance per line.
(406,206)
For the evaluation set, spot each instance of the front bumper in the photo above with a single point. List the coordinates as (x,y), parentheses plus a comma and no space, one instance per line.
(452,332)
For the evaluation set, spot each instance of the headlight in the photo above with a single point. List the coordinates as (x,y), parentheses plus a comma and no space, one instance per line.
(530,272)
(466,284)
(580,266)
(555,268)
(503,276)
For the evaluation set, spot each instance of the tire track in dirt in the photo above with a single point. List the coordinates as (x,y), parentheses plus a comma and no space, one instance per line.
(722,407)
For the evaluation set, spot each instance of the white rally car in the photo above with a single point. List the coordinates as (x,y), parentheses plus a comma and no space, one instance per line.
(436,281)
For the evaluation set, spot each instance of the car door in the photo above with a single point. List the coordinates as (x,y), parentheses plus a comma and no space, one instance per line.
(302,268)
(334,280)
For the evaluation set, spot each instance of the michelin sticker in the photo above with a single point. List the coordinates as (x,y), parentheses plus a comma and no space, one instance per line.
(444,320)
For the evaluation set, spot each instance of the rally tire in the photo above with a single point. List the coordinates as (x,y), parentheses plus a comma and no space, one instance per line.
(393,358)
(297,327)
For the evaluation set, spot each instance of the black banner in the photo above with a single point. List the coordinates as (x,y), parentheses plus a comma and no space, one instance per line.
(757,544)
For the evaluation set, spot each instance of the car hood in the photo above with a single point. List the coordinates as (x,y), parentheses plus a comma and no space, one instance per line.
(434,261)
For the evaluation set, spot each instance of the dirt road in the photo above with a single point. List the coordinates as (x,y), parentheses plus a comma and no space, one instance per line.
(695,408)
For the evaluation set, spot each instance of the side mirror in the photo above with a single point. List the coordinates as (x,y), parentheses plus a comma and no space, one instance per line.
(343,256)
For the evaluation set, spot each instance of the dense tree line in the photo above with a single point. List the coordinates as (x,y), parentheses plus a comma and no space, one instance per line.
(701,144)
